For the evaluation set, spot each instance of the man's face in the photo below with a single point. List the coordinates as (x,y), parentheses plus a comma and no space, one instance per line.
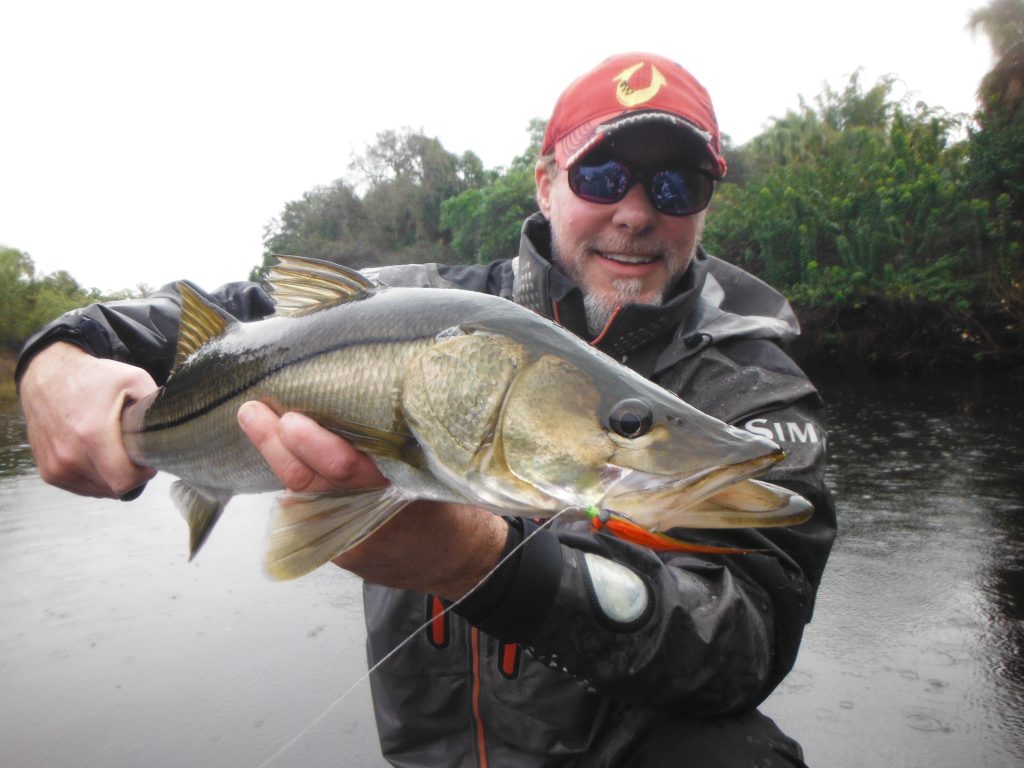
(624,252)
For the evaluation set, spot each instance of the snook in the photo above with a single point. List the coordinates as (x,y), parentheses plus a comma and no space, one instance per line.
(457,396)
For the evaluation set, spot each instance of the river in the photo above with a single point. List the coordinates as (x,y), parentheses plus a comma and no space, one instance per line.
(115,651)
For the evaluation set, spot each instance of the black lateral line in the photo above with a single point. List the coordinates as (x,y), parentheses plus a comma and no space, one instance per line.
(262,377)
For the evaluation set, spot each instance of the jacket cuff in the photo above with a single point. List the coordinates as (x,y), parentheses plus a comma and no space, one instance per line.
(514,602)
(79,330)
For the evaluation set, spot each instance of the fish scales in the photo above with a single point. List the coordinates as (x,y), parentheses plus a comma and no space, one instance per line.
(361,382)
(455,395)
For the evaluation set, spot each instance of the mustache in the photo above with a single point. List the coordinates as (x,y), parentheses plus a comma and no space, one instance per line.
(632,246)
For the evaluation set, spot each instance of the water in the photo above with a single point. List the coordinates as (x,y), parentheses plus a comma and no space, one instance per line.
(114,651)
(914,657)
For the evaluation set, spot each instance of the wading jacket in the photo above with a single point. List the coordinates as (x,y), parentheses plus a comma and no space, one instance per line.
(581,642)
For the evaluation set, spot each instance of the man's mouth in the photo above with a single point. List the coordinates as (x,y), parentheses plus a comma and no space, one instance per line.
(630,258)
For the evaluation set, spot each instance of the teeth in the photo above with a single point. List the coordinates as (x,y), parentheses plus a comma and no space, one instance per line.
(626,258)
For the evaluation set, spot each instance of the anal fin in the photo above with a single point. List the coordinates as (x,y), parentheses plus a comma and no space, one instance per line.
(201,510)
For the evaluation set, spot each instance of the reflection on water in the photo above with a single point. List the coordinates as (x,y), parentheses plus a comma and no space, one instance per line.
(15,456)
(917,638)
(114,651)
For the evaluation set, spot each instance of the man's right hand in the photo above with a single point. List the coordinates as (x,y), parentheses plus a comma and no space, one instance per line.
(72,403)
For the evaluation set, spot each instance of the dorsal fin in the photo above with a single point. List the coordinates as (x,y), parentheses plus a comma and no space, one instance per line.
(300,285)
(200,322)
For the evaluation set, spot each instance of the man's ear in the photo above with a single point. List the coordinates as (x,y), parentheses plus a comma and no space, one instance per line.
(542,177)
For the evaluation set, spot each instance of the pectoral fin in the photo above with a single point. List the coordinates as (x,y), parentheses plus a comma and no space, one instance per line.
(201,509)
(307,530)
(378,442)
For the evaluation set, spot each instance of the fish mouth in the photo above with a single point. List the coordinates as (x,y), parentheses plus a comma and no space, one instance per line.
(639,494)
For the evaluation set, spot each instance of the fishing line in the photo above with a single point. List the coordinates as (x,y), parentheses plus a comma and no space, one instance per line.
(316,720)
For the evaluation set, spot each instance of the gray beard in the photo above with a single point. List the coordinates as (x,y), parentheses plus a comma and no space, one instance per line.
(600,311)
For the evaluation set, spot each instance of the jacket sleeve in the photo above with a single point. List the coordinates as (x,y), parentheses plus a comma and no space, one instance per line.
(142,332)
(717,632)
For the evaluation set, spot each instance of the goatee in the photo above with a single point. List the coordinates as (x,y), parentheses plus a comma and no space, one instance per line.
(600,308)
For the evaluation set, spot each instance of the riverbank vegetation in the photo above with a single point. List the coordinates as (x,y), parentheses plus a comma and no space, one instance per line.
(7,388)
(28,300)
(895,228)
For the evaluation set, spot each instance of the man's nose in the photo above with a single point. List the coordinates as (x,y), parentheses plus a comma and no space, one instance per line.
(635,212)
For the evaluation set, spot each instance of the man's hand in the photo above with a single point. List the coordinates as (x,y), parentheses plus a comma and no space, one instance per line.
(304,456)
(72,403)
(443,549)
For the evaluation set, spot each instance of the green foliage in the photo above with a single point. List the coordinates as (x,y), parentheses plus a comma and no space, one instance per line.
(484,222)
(28,301)
(851,202)
(16,275)
(933,283)
(327,223)
(407,199)
(996,158)
(860,194)
(404,178)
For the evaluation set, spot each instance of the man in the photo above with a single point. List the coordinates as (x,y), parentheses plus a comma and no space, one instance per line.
(541,666)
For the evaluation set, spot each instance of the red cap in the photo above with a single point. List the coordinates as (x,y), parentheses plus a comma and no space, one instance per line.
(628,89)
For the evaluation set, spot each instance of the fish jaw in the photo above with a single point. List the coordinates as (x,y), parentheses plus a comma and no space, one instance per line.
(663,501)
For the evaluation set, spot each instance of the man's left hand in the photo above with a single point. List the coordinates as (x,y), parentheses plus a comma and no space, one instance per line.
(442,549)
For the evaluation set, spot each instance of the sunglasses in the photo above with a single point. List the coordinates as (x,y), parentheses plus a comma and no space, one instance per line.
(672,191)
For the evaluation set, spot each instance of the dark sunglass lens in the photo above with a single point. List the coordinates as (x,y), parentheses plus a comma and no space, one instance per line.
(681,192)
(605,182)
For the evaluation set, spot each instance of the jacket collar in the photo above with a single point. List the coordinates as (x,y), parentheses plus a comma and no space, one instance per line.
(539,285)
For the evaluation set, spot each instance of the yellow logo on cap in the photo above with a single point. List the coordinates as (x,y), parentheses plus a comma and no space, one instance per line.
(631,97)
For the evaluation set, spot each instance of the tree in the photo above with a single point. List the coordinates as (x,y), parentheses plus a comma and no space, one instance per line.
(16,274)
(408,176)
(997,154)
(1002,21)
(328,223)
(858,192)
(484,222)
(404,178)
(28,301)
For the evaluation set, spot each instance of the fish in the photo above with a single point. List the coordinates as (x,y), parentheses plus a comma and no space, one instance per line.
(457,396)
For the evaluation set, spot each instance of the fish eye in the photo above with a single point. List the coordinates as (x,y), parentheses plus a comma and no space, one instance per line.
(631,417)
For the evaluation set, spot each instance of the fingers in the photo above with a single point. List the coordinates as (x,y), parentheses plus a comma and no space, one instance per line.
(305,456)
(332,457)
(72,404)
(89,458)
(442,548)
(262,426)
(103,444)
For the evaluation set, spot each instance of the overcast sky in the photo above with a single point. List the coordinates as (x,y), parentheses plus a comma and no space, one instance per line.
(143,142)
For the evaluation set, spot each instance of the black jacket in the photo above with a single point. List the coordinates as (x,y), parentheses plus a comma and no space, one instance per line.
(532,670)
